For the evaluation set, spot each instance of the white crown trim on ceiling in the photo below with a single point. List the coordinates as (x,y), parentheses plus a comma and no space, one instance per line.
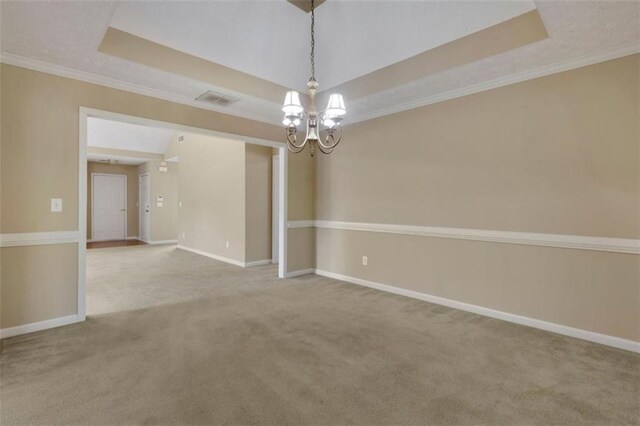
(583,61)
(500,82)
(62,71)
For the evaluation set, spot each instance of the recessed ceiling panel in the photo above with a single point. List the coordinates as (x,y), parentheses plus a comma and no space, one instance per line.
(270,40)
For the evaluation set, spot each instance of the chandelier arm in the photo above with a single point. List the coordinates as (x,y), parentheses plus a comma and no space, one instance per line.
(335,143)
(292,140)
(324,150)
(295,150)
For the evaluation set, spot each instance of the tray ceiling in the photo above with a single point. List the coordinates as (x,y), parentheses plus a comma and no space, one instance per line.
(354,40)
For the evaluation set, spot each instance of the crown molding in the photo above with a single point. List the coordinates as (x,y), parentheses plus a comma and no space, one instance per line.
(62,71)
(580,62)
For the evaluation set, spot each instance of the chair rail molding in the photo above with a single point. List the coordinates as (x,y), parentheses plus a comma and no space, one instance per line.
(580,242)
(38,238)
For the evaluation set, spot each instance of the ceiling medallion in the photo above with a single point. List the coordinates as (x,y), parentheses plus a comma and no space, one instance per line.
(330,118)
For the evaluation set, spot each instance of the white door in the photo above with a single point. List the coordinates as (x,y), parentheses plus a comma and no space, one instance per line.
(109,220)
(275,209)
(145,208)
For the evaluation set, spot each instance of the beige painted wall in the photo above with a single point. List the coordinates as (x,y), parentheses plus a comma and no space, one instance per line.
(258,202)
(37,283)
(558,154)
(164,220)
(304,238)
(302,206)
(302,186)
(212,191)
(39,160)
(132,192)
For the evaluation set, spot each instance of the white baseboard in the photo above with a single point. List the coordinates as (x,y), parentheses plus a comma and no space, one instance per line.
(162,242)
(38,326)
(257,263)
(590,336)
(213,256)
(300,272)
(91,240)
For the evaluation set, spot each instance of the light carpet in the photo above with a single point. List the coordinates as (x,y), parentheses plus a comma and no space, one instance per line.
(176,338)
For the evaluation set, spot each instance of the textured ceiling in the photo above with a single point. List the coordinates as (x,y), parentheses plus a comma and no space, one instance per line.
(367,35)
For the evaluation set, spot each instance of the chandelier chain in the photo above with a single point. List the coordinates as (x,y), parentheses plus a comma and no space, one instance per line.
(313,42)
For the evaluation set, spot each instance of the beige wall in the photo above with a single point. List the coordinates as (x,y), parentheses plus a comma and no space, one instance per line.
(39,160)
(212,191)
(37,283)
(558,154)
(164,220)
(132,192)
(225,190)
(302,206)
(258,202)
(302,186)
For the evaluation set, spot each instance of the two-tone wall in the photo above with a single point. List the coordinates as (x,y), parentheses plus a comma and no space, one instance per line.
(523,200)
(39,151)
(302,199)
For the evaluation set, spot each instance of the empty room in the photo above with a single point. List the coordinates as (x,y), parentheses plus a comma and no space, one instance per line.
(320,212)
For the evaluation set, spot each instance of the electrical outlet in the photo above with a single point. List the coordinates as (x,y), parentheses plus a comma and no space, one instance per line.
(365,260)
(227,244)
(56,205)
(180,204)
(184,235)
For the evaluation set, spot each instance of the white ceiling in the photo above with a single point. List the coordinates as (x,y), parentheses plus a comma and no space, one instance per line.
(352,38)
(63,36)
(132,137)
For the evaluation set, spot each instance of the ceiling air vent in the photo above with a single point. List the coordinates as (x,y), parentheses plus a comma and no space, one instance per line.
(216,98)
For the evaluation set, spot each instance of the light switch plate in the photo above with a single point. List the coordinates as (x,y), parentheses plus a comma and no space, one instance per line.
(56,205)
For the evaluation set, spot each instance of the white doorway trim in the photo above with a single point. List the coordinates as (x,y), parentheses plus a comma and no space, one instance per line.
(275,208)
(141,207)
(85,113)
(93,210)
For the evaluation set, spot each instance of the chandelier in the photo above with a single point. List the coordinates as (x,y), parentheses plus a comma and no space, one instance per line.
(325,139)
